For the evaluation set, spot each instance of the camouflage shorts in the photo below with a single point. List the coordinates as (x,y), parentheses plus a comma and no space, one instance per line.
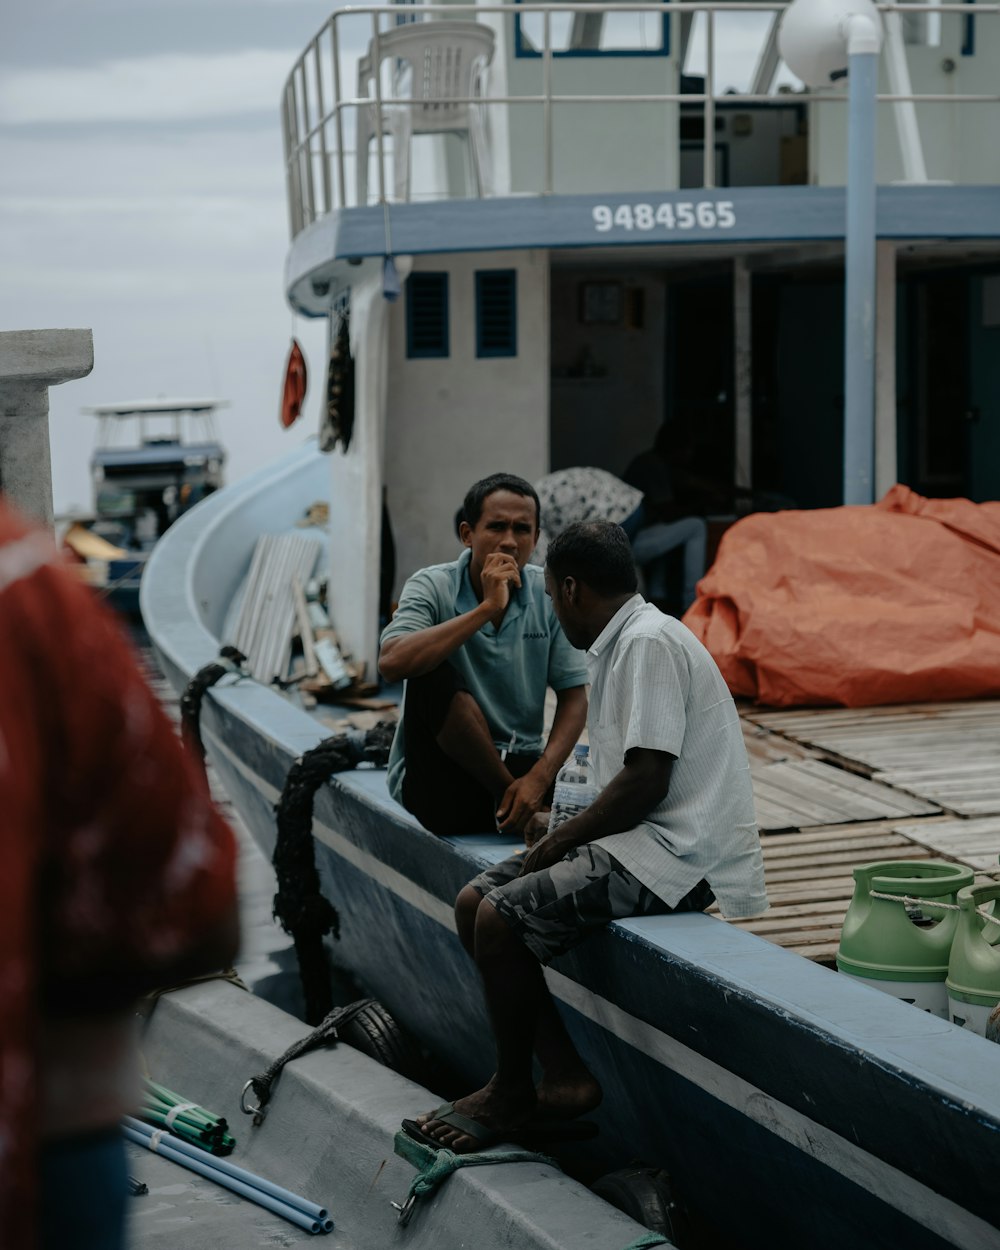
(553,910)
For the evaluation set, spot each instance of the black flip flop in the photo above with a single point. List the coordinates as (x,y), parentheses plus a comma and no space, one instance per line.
(483,1137)
(534,1133)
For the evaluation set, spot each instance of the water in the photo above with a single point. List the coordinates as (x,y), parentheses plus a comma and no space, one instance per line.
(574,789)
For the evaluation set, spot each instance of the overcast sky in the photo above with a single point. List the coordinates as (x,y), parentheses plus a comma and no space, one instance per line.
(142,194)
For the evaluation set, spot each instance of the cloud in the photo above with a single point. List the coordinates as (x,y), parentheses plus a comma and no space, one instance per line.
(110,220)
(170,87)
(142,163)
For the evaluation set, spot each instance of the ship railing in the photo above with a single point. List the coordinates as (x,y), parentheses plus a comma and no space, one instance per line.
(318,117)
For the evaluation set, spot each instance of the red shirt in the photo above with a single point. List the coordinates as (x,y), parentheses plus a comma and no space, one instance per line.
(114,862)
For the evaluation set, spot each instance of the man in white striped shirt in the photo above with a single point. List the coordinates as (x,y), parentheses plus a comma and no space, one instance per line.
(672,827)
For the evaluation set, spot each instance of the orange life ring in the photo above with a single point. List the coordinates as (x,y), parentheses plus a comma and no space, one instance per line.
(294,390)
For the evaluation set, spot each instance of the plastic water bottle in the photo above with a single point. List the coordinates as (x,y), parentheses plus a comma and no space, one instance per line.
(575,789)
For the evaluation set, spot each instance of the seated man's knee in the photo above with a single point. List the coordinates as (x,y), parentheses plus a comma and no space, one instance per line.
(494,936)
(466,907)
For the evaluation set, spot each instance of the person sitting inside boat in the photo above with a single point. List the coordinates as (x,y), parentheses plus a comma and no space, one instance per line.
(672,828)
(478,643)
(589,494)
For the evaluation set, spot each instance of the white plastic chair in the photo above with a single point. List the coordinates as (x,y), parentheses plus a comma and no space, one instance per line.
(446,61)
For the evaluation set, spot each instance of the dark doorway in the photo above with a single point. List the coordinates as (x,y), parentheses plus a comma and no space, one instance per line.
(700,374)
(937,459)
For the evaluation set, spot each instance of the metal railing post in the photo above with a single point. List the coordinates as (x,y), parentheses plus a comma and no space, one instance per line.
(321,129)
(379,136)
(294,212)
(306,148)
(708,164)
(547,100)
(339,113)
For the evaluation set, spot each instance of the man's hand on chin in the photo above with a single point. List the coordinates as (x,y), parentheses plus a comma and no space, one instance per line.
(500,573)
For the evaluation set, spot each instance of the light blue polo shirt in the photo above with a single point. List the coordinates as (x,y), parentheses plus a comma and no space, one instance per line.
(506,670)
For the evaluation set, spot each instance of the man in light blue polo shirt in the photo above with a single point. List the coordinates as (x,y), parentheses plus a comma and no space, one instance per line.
(478,643)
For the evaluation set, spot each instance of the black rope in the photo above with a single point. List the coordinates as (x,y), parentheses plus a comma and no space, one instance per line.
(230,661)
(299,905)
(322,1035)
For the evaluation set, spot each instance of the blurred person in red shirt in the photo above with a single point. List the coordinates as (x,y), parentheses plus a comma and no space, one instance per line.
(118,877)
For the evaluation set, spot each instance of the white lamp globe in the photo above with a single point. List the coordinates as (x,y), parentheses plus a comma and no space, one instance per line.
(812,37)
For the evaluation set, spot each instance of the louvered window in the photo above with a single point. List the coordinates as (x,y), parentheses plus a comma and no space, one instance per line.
(427,315)
(496,312)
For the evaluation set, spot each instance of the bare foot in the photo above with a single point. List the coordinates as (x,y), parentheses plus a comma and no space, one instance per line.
(499,1111)
(567,1094)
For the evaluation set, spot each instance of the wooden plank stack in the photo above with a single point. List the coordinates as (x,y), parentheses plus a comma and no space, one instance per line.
(266,621)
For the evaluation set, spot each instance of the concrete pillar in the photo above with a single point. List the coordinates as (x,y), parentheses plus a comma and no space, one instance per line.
(30,362)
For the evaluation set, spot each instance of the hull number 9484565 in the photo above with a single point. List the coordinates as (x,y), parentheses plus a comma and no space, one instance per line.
(682,215)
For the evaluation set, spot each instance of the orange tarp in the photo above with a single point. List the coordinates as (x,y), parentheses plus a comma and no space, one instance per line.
(896,602)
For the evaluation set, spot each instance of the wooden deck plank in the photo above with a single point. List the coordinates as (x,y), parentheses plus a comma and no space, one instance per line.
(849,856)
(972,842)
(871,789)
(807,792)
(959,769)
(857,829)
(871,846)
(791,926)
(815,907)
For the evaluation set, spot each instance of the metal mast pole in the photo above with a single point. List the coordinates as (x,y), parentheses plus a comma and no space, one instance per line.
(863,44)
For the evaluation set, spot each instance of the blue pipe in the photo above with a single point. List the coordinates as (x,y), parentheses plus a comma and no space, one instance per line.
(859,301)
(221,1165)
(167,1146)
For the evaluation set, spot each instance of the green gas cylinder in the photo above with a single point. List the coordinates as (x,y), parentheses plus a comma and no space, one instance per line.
(901,948)
(974,968)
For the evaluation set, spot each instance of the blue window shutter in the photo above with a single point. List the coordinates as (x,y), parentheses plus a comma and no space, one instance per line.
(496,312)
(427,315)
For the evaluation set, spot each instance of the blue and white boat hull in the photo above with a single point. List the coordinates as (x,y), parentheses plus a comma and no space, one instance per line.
(791,1106)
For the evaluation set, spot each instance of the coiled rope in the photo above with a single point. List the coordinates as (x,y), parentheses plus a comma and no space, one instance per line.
(230,661)
(299,905)
(435,1166)
(323,1035)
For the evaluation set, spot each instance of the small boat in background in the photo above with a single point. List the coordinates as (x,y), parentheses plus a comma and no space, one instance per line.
(154,459)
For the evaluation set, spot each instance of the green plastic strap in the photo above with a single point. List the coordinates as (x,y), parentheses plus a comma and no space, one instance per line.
(436,1166)
(649,1239)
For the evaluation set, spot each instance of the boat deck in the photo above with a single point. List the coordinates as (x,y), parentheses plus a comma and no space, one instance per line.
(836,787)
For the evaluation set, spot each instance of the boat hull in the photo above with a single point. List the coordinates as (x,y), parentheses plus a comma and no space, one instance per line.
(790,1105)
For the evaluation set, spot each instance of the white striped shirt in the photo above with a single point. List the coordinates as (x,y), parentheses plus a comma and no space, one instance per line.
(654,685)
